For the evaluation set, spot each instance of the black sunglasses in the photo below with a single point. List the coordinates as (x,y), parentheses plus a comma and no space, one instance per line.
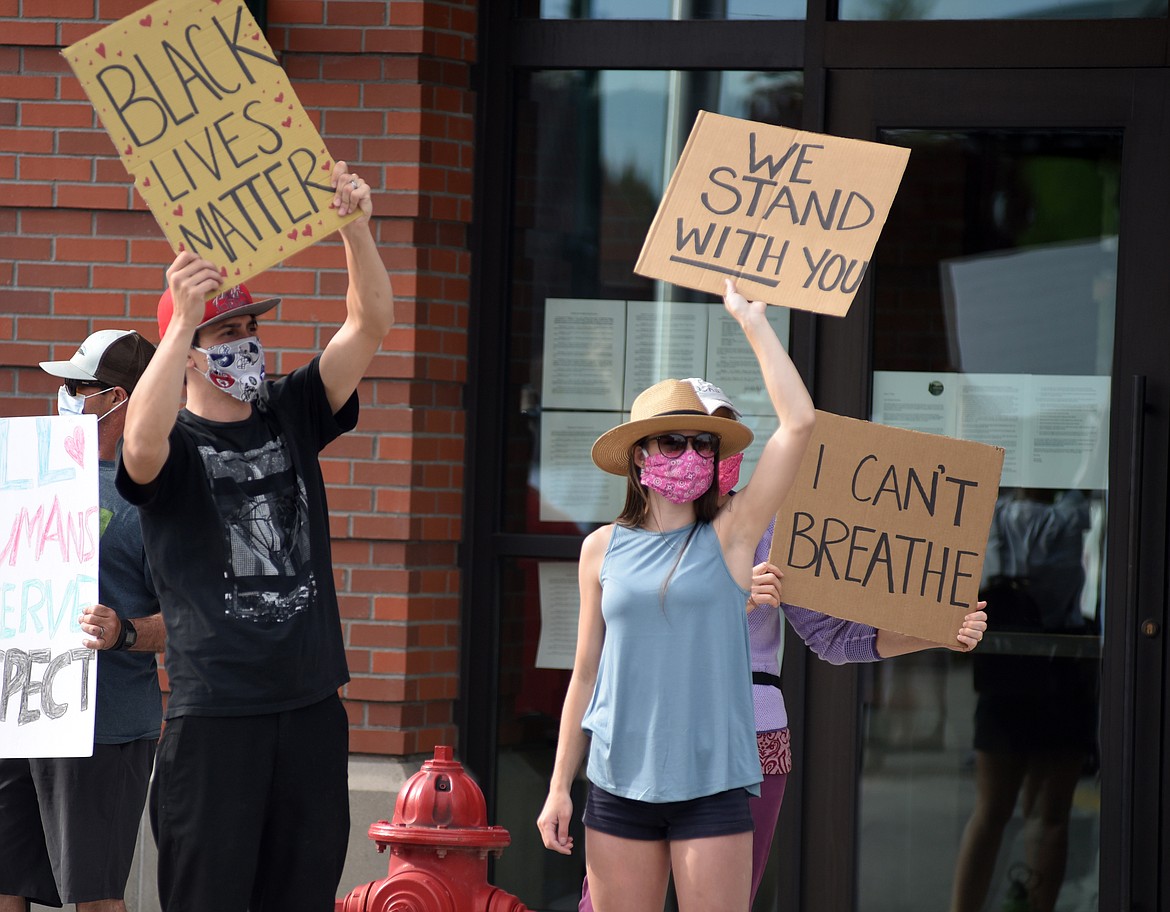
(672,446)
(72,386)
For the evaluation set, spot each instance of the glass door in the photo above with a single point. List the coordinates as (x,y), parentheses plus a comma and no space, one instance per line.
(1007,303)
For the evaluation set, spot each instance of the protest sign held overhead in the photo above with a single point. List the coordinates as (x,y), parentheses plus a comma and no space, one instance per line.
(49,528)
(792,216)
(208,125)
(888,527)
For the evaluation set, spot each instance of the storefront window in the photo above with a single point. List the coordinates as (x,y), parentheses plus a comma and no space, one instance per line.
(1002,9)
(594,153)
(995,299)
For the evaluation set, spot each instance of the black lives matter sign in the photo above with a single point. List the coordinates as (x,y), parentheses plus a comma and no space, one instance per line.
(208,125)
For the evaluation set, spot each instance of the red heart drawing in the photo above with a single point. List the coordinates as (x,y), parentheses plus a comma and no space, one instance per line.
(287,122)
(101,50)
(146,181)
(119,53)
(279,98)
(293,234)
(182,247)
(328,166)
(223,271)
(307,231)
(145,21)
(237,272)
(178,210)
(75,446)
(256,37)
(129,150)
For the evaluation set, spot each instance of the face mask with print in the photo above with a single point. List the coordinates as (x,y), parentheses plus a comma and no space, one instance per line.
(679,480)
(236,367)
(729,473)
(75,405)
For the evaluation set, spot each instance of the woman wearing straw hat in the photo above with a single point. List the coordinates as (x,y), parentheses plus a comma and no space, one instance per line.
(660,693)
(832,639)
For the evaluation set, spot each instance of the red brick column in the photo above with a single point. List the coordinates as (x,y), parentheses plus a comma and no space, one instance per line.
(388,86)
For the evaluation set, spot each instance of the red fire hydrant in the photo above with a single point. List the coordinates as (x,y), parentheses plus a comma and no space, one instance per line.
(439,845)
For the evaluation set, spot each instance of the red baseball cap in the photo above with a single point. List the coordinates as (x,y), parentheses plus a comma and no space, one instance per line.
(234,302)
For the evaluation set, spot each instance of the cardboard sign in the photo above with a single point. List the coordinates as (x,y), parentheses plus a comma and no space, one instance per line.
(49,530)
(207,124)
(888,527)
(792,216)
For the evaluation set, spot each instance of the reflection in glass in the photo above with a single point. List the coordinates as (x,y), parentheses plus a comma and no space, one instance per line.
(1002,9)
(994,300)
(594,152)
(665,9)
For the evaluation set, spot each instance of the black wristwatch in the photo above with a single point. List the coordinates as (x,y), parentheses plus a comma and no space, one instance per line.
(128,637)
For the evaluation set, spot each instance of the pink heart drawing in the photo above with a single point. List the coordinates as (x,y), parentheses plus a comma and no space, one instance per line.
(145,21)
(279,98)
(307,231)
(101,49)
(75,446)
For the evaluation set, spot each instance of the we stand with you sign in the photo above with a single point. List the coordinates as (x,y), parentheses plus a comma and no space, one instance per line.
(792,216)
(208,125)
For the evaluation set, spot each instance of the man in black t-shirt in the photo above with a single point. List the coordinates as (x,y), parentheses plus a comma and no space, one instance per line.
(249,802)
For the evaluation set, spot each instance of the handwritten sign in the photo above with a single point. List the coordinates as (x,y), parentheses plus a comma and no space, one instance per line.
(49,519)
(208,125)
(888,527)
(792,216)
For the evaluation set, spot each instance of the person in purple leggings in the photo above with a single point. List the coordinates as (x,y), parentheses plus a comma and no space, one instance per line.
(835,640)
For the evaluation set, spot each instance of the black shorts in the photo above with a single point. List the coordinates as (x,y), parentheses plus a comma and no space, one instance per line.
(721,814)
(69,825)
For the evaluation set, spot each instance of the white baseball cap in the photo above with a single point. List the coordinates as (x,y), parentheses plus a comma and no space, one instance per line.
(113,357)
(712,396)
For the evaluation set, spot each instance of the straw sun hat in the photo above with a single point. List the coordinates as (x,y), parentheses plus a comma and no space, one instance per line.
(672,405)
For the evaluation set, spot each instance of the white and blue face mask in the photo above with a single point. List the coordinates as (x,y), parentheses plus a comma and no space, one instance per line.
(236,367)
(69,404)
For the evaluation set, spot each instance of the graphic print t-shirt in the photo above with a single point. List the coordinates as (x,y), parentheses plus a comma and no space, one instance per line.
(237,535)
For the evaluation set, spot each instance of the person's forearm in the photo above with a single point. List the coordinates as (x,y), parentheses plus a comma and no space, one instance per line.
(786,390)
(572,741)
(370,298)
(153,408)
(152,636)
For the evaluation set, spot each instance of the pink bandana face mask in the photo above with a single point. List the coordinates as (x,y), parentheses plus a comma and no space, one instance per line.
(729,473)
(679,480)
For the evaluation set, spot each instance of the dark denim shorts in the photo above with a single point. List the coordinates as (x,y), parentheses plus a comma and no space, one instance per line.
(721,814)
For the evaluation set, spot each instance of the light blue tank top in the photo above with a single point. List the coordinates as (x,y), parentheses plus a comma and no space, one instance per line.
(671,715)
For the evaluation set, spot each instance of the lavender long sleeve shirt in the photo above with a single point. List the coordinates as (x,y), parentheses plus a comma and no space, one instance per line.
(832,639)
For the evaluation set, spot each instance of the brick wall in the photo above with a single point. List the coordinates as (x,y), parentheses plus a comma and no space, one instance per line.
(388,86)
